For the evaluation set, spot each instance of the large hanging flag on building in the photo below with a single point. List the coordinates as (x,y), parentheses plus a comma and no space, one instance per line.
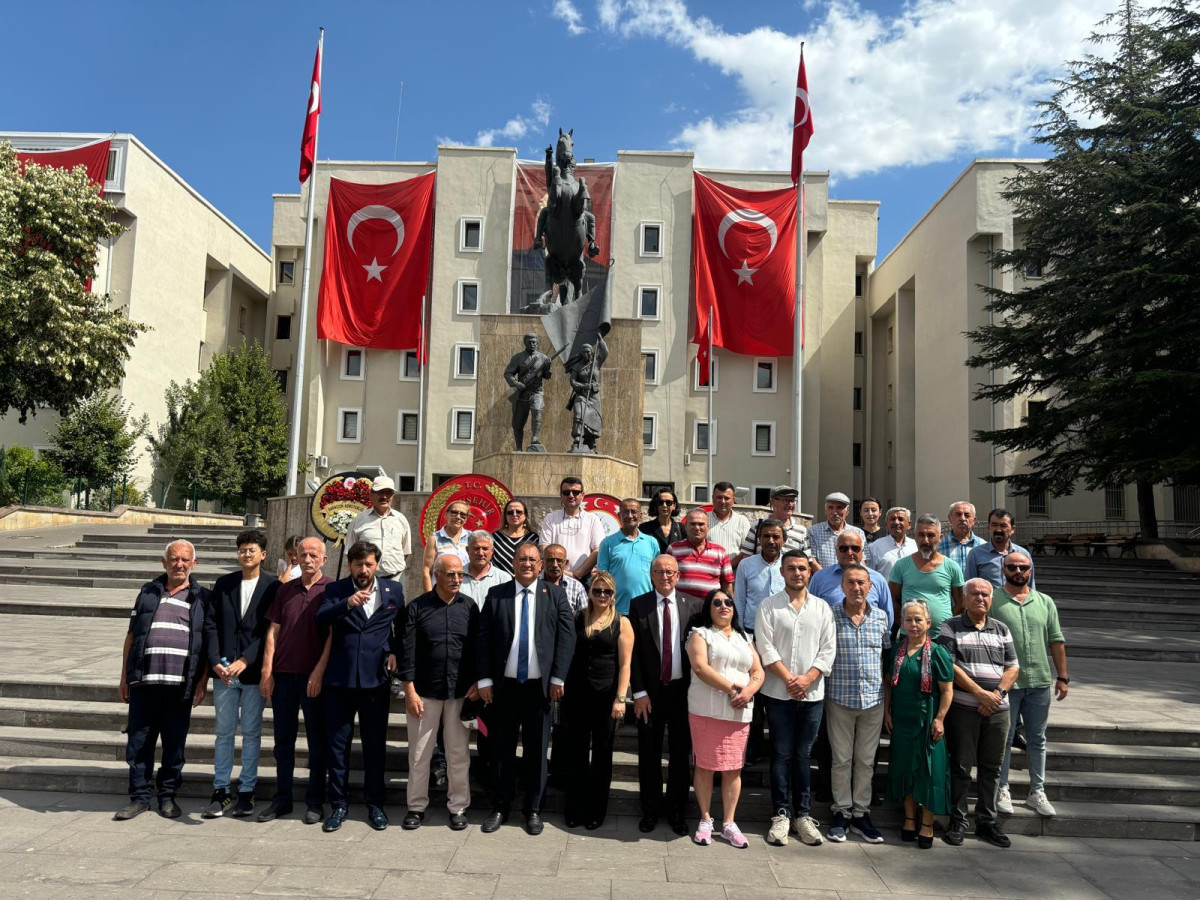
(378,239)
(93,157)
(743,269)
(802,123)
(308,140)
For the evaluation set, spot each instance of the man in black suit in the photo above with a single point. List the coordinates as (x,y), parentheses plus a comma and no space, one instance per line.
(361,613)
(523,651)
(234,637)
(659,679)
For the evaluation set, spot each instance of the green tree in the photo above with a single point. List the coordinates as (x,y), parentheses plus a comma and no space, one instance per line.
(27,478)
(181,451)
(1110,337)
(59,343)
(97,440)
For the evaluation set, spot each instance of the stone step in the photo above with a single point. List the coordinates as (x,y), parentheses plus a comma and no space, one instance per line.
(95,569)
(165,528)
(1115,643)
(1064,756)
(1140,594)
(130,583)
(144,541)
(147,558)
(1145,621)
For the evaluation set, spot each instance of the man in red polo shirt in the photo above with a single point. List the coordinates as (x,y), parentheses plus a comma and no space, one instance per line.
(702,566)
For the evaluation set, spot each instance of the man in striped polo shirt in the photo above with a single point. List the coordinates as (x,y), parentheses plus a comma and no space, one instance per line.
(163,675)
(703,567)
(985,668)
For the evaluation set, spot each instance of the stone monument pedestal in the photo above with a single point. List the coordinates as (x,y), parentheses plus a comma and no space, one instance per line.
(539,474)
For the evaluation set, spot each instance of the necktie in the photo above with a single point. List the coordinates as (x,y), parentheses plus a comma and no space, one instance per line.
(523,640)
(667,642)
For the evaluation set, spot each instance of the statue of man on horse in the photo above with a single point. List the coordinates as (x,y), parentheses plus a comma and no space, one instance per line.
(566,226)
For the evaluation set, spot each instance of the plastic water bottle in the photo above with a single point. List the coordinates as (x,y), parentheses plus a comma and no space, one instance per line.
(226,663)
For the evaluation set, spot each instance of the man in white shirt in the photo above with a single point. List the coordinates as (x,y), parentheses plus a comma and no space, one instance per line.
(824,535)
(578,530)
(481,576)
(726,528)
(384,527)
(887,551)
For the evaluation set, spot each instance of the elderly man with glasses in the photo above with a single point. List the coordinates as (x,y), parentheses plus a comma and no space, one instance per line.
(827,584)
(575,528)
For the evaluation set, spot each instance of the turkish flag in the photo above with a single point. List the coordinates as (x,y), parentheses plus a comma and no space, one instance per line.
(743,268)
(802,123)
(308,140)
(378,239)
(93,157)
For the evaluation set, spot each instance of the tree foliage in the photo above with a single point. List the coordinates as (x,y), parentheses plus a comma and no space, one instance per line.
(59,343)
(27,478)
(97,440)
(1111,337)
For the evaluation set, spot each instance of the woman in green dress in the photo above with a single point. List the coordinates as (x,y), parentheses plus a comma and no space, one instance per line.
(917,693)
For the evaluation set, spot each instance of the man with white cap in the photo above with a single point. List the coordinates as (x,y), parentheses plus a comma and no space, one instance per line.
(384,527)
(824,535)
(795,534)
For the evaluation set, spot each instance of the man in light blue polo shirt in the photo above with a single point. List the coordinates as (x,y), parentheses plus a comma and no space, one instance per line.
(827,584)
(627,555)
(987,561)
(759,576)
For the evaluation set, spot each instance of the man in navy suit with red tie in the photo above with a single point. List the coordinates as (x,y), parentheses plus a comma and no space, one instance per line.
(523,651)
(361,613)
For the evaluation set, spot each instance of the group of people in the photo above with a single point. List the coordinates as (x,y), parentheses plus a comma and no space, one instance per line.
(801,644)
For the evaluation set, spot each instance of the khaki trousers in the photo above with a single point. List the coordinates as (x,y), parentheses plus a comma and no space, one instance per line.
(422,737)
(853,739)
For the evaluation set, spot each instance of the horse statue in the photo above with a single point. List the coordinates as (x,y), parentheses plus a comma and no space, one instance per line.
(565,226)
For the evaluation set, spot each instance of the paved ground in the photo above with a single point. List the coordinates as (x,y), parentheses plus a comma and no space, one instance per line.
(66,846)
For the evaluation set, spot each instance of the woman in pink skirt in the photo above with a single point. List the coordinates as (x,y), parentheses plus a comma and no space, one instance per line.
(726,674)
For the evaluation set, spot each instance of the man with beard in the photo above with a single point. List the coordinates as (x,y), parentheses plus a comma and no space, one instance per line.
(928,576)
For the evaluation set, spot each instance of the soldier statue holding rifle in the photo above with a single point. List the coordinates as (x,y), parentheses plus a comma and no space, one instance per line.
(525,372)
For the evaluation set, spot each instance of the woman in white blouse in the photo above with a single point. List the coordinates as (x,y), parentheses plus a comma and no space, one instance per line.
(726,676)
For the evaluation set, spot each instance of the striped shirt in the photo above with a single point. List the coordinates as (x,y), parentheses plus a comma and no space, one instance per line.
(169,638)
(856,681)
(824,541)
(795,537)
(504,548)
(703,571)
(983,653)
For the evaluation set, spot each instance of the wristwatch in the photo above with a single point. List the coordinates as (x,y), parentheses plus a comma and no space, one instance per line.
(622,699)
(1064,679)
(1003,693)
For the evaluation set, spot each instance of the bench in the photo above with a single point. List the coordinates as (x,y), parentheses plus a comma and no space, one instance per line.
(1086,541)
(1047,543)
(1124,543)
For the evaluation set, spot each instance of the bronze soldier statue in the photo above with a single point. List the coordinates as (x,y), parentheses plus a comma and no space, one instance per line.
(587,420)
(526,371)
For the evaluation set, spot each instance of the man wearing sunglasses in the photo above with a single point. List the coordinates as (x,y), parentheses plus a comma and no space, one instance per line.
(1032,618)
(827,583)
(576,529)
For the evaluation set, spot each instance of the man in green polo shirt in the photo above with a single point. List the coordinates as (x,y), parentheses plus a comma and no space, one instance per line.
(1032,618)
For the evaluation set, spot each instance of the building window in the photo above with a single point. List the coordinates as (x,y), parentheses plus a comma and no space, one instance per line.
(650,431)
(114,161)
(281,380)
(891,455)
(764,376)
(889,396)
(1114,501)
(650,239)
(648,295)
(1034,410)
(891,339)
(714,374)
(763,443)
(407,427)
(700,436)
(410,365)
(1185,500)
(1037,504)
(349,425)
(858,398)
(761,494)
(241,320)
(699,493)
(352,364)
(650,361)
(468,297)
(858,285)
(283,328)
(462,426)
(466,357)
(406,482)
(470,234)
(287,271)
(856,457)
(200,358)
(858,343)
(1034,270)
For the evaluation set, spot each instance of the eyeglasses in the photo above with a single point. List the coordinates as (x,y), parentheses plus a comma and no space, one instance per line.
(514,512)
(1012,568)
(666,573)
(722,604)
(602,592)
(247,551)
(849,548)
(568,492)
(666,502)
(457,512)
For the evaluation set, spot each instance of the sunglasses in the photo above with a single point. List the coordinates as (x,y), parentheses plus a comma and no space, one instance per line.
(666,502)
(569,493)
(514,512)
(602,592)
(1011,568)
(847,548)
(722,604)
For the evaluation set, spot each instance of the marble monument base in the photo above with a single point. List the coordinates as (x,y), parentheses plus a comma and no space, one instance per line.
(539,474)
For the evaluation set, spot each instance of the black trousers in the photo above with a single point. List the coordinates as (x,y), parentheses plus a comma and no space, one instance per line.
(156,711)
(287,699)
(975,742)
(371,706)
(520,710)
(589,731)
(669,713)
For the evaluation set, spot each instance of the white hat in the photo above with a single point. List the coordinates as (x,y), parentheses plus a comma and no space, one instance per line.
(383,483)
(837,497)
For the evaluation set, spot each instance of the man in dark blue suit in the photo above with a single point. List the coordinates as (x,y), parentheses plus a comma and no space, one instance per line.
(523,651)
(361,612)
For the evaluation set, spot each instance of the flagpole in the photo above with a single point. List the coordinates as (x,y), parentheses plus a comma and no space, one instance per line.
(302,333)
(420,479)
(798,345)
(712,431)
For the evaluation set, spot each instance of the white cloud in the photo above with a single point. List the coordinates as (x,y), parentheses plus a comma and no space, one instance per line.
(518,126)
(937,79)
(566,11)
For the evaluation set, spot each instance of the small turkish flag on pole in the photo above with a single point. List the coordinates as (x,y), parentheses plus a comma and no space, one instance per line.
(802,123)
(308,140)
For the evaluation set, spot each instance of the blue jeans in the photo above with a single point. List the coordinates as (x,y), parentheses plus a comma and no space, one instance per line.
(793,725)
(244,703)
(1033,706)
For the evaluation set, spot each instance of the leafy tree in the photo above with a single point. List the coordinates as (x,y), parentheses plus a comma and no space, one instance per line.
(1109,338)
(97,441)
(22,470)
(59,343)
(181,450)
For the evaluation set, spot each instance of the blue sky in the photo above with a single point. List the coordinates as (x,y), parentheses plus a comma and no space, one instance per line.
(904,95)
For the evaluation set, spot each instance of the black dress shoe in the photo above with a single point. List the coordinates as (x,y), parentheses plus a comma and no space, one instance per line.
(533,824)
(274,811)
(594,824)
(458,821)
(336,818)
(125,813)
(647,824)
(377,818)
(313,815)
(678,825)
(953,836)
(494,820)
(169,809)
(412,820)
(572,822)
(993,835)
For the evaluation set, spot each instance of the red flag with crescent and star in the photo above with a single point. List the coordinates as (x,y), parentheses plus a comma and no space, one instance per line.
(802,123)
(308,139)
(743,269)
(378,240)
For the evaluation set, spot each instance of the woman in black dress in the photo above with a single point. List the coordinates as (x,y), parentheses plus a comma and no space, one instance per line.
(662,524)
(596,691)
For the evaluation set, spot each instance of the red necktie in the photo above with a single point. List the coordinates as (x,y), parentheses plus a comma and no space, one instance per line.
(666,642)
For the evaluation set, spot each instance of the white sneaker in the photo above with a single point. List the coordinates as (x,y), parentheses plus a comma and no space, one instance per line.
(1039,804)
(807,830)
(1004,800)
(778,834)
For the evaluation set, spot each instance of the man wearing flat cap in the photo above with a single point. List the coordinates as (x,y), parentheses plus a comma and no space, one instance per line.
(824,535)
(384,527)
(795,534)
